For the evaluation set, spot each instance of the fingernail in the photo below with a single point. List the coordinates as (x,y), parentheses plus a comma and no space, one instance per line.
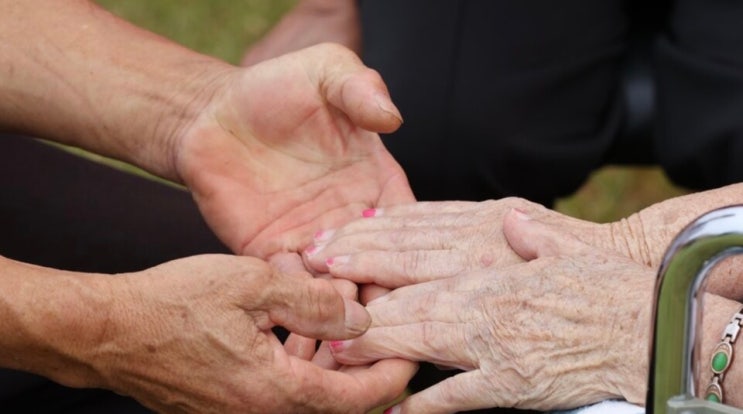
(338,346)
(371,212)
(521,215)
(313,250)
(384,103)
(393,410)
(336,261)
(357,318)
(323,235)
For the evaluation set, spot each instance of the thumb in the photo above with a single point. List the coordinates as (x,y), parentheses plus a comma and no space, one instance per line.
(313,308)
(531,239)
(358,91)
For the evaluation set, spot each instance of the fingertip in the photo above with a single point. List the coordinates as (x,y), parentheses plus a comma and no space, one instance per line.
(364,98)
(384,103)
(396,409)
(357,319)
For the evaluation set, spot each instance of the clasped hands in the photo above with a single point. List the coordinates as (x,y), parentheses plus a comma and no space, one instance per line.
(522,299)
(477,288)
(289,147)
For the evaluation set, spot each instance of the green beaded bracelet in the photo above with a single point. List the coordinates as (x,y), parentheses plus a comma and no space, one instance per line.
(722,357)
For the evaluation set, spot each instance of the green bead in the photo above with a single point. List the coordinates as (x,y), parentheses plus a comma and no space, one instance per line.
(719,361)
(713,398)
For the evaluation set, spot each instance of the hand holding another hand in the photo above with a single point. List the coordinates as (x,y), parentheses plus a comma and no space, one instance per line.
(194,336)
(565,329)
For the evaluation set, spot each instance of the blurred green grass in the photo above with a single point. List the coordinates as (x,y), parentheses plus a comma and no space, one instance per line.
(220,28)
(225,28)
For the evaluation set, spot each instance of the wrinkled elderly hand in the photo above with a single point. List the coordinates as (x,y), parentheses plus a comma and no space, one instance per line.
(284,148)
(194,336)
(562,330)
(405,244)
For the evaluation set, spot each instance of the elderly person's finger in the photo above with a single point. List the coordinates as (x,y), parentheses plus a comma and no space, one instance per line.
(417,239)
(323,358)
(432,341)
(300,346)
(427,304)
(462,392)
(353,391)
(466,282)
(370,292)
(394,269)
(530,238)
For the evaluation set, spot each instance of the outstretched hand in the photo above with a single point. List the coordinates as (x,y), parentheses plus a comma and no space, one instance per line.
(286,147)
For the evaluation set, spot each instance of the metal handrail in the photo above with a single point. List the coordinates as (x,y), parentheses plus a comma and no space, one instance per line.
(677,310)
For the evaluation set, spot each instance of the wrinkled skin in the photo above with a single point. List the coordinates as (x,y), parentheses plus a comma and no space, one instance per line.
(567,328)
(400,245)
(284,148)
(193,336)
(429,240)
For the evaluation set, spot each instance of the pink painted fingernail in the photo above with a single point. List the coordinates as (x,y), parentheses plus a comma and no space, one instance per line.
(313,250)
(393,410)
(370,212)
(335,261)
(338,346)
(323,235)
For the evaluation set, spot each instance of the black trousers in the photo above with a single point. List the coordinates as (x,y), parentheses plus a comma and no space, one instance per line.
(526,98)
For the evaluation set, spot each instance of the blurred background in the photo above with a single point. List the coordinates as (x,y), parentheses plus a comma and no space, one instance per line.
(225,28)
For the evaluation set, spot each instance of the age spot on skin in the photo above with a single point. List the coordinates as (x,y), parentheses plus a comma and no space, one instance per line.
(151,349)
(486,260)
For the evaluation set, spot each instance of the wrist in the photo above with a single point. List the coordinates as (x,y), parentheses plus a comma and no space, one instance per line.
(49,319)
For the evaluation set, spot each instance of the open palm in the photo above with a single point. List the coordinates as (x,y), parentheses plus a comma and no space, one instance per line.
(285,148)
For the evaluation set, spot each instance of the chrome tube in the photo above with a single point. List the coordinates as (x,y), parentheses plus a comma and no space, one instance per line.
(677,310)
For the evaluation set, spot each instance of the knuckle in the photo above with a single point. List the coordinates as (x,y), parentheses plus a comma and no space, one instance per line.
(431,339)
(322,298)
(411,262)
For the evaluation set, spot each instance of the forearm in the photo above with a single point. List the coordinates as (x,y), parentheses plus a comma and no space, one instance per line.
(48,319)
(74,73)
